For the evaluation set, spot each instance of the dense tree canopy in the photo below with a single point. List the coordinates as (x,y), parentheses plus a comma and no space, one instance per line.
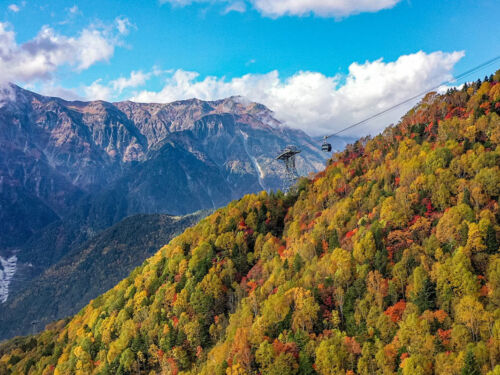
(386,262)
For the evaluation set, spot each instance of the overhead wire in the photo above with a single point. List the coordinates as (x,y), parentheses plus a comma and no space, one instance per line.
(459,76)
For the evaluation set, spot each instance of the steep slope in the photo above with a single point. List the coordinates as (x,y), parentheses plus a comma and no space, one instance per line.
(21,215)
(53,147)
(89,270)
(386,262)
(69,170)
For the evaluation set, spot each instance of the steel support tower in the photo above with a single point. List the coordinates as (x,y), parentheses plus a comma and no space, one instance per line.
(287,155)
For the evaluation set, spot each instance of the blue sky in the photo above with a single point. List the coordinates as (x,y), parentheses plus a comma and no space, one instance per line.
(294,56)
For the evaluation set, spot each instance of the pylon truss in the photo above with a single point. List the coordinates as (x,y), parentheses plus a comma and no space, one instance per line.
(287,155)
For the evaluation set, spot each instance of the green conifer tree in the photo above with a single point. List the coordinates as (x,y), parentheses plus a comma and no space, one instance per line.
(470,366)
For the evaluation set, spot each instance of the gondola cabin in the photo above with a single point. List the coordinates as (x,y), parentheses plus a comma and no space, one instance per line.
(326,147)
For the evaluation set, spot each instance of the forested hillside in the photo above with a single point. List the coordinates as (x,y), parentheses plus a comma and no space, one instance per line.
(386,262)
(89,270)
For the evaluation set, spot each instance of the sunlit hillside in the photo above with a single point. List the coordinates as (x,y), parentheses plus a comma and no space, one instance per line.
(386,262)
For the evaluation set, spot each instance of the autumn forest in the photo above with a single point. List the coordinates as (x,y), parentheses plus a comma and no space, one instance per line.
(386,262)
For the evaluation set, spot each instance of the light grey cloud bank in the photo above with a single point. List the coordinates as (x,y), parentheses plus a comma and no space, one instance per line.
(317,103)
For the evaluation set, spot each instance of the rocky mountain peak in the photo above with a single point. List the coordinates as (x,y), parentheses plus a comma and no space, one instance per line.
(56,151)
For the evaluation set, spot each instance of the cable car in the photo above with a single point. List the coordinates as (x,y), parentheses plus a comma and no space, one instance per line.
(327,147)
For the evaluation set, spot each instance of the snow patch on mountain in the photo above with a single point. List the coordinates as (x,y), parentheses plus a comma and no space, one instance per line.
(6,274)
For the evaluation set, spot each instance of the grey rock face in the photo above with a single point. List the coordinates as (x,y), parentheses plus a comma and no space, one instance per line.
(57,151)
(69,170)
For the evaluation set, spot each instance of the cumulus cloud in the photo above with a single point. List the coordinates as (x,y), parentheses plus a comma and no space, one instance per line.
(113,89)
(98,91)
(40,57)
(278,8)
(14,8)
(123,25)
(136,79)
(317,103)
(323,8)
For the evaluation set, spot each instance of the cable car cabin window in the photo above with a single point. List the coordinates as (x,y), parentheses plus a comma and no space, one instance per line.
(327,147)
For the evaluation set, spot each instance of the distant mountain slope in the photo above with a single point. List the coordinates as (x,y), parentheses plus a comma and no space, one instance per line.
(54,152)
(69,170)
(89,270)
(87,144)
(386,262)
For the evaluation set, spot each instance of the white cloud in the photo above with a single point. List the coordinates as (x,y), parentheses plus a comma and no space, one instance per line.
(317,103)
(74,9)
(98,91)
(112,90)
(237,6)
(323,8)
(90,47)
(136,79)
(52,89)
(40,57)
(278,8)
(71,15)
(14,8)
(123,25)
(6,95)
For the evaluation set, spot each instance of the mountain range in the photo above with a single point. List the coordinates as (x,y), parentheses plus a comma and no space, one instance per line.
(71,169)
(55,153)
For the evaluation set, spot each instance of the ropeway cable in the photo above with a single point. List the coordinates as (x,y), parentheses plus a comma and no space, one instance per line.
(461,75)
